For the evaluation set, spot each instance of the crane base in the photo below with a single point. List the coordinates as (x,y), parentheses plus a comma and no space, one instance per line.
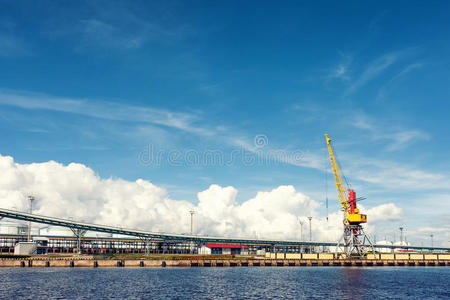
(355,242)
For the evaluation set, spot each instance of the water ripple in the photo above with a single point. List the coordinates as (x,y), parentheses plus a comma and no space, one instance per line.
(226,283)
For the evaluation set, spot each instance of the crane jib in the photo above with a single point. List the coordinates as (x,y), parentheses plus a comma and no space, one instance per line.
(347,197)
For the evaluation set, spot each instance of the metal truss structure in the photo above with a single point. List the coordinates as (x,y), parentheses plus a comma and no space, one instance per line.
(355,242)
(80,228)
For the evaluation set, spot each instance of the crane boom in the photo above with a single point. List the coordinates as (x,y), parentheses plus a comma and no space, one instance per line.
(340,184)
(347,197)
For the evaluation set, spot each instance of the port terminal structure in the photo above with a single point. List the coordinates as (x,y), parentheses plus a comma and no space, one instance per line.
(275,246)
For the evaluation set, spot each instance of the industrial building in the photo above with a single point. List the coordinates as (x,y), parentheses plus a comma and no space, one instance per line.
(226,249)
(69,236)
(53,239)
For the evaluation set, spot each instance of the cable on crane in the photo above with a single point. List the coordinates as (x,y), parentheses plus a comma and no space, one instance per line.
(326,183)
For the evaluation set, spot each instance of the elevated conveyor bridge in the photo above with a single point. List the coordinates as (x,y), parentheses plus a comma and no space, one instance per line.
(82,227)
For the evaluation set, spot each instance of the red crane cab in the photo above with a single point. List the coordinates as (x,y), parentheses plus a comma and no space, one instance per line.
(354,217)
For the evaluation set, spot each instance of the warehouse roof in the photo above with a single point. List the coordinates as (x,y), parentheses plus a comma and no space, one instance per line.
(225,246)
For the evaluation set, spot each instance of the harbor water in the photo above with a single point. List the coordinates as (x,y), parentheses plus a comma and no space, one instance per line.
(226,283)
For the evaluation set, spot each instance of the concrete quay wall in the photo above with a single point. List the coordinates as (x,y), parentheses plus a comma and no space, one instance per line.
(376,256)
(136,263)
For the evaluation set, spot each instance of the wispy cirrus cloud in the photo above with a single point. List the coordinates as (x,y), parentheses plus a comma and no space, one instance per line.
(376,171)
(395,136)
(402,139)
(380,172)
(396,176)
(341,70)
(102,109)
(373,69)
(118,25)
(96,32)
(405,71)
(12,46)
(396,139)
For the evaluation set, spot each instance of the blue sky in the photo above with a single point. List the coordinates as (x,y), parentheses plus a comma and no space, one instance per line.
(102,82)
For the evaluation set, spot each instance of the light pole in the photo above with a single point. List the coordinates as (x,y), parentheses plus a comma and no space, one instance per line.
(192,212)
(31,199)
(301,232)
(310,230)
(301,229)
(310,234)
(431,236)
(401,236)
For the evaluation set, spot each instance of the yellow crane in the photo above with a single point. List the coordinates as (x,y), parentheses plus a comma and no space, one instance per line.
(347,196)
(354,236)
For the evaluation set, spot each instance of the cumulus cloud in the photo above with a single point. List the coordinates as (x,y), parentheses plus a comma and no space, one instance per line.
(75,191)
(384,212)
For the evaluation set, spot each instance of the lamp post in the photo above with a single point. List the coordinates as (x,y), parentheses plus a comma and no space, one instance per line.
(431,236)
(31,199)
(401,236)
(192,212)
(301,229)
(310,230)
(301,232)
(310,234)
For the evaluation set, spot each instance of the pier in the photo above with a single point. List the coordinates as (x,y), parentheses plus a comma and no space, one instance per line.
(45,262)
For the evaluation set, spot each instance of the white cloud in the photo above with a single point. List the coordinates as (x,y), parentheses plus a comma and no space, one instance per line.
(431,230)
(102,110)
(406,71)
(341,70)
(75,191)
(380,65)
(382,93)
(99,33)
(373,70)
(441,234)
(119,26)
(11,46)
(384,212)
(403,138)
(396,176)
(395,138)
